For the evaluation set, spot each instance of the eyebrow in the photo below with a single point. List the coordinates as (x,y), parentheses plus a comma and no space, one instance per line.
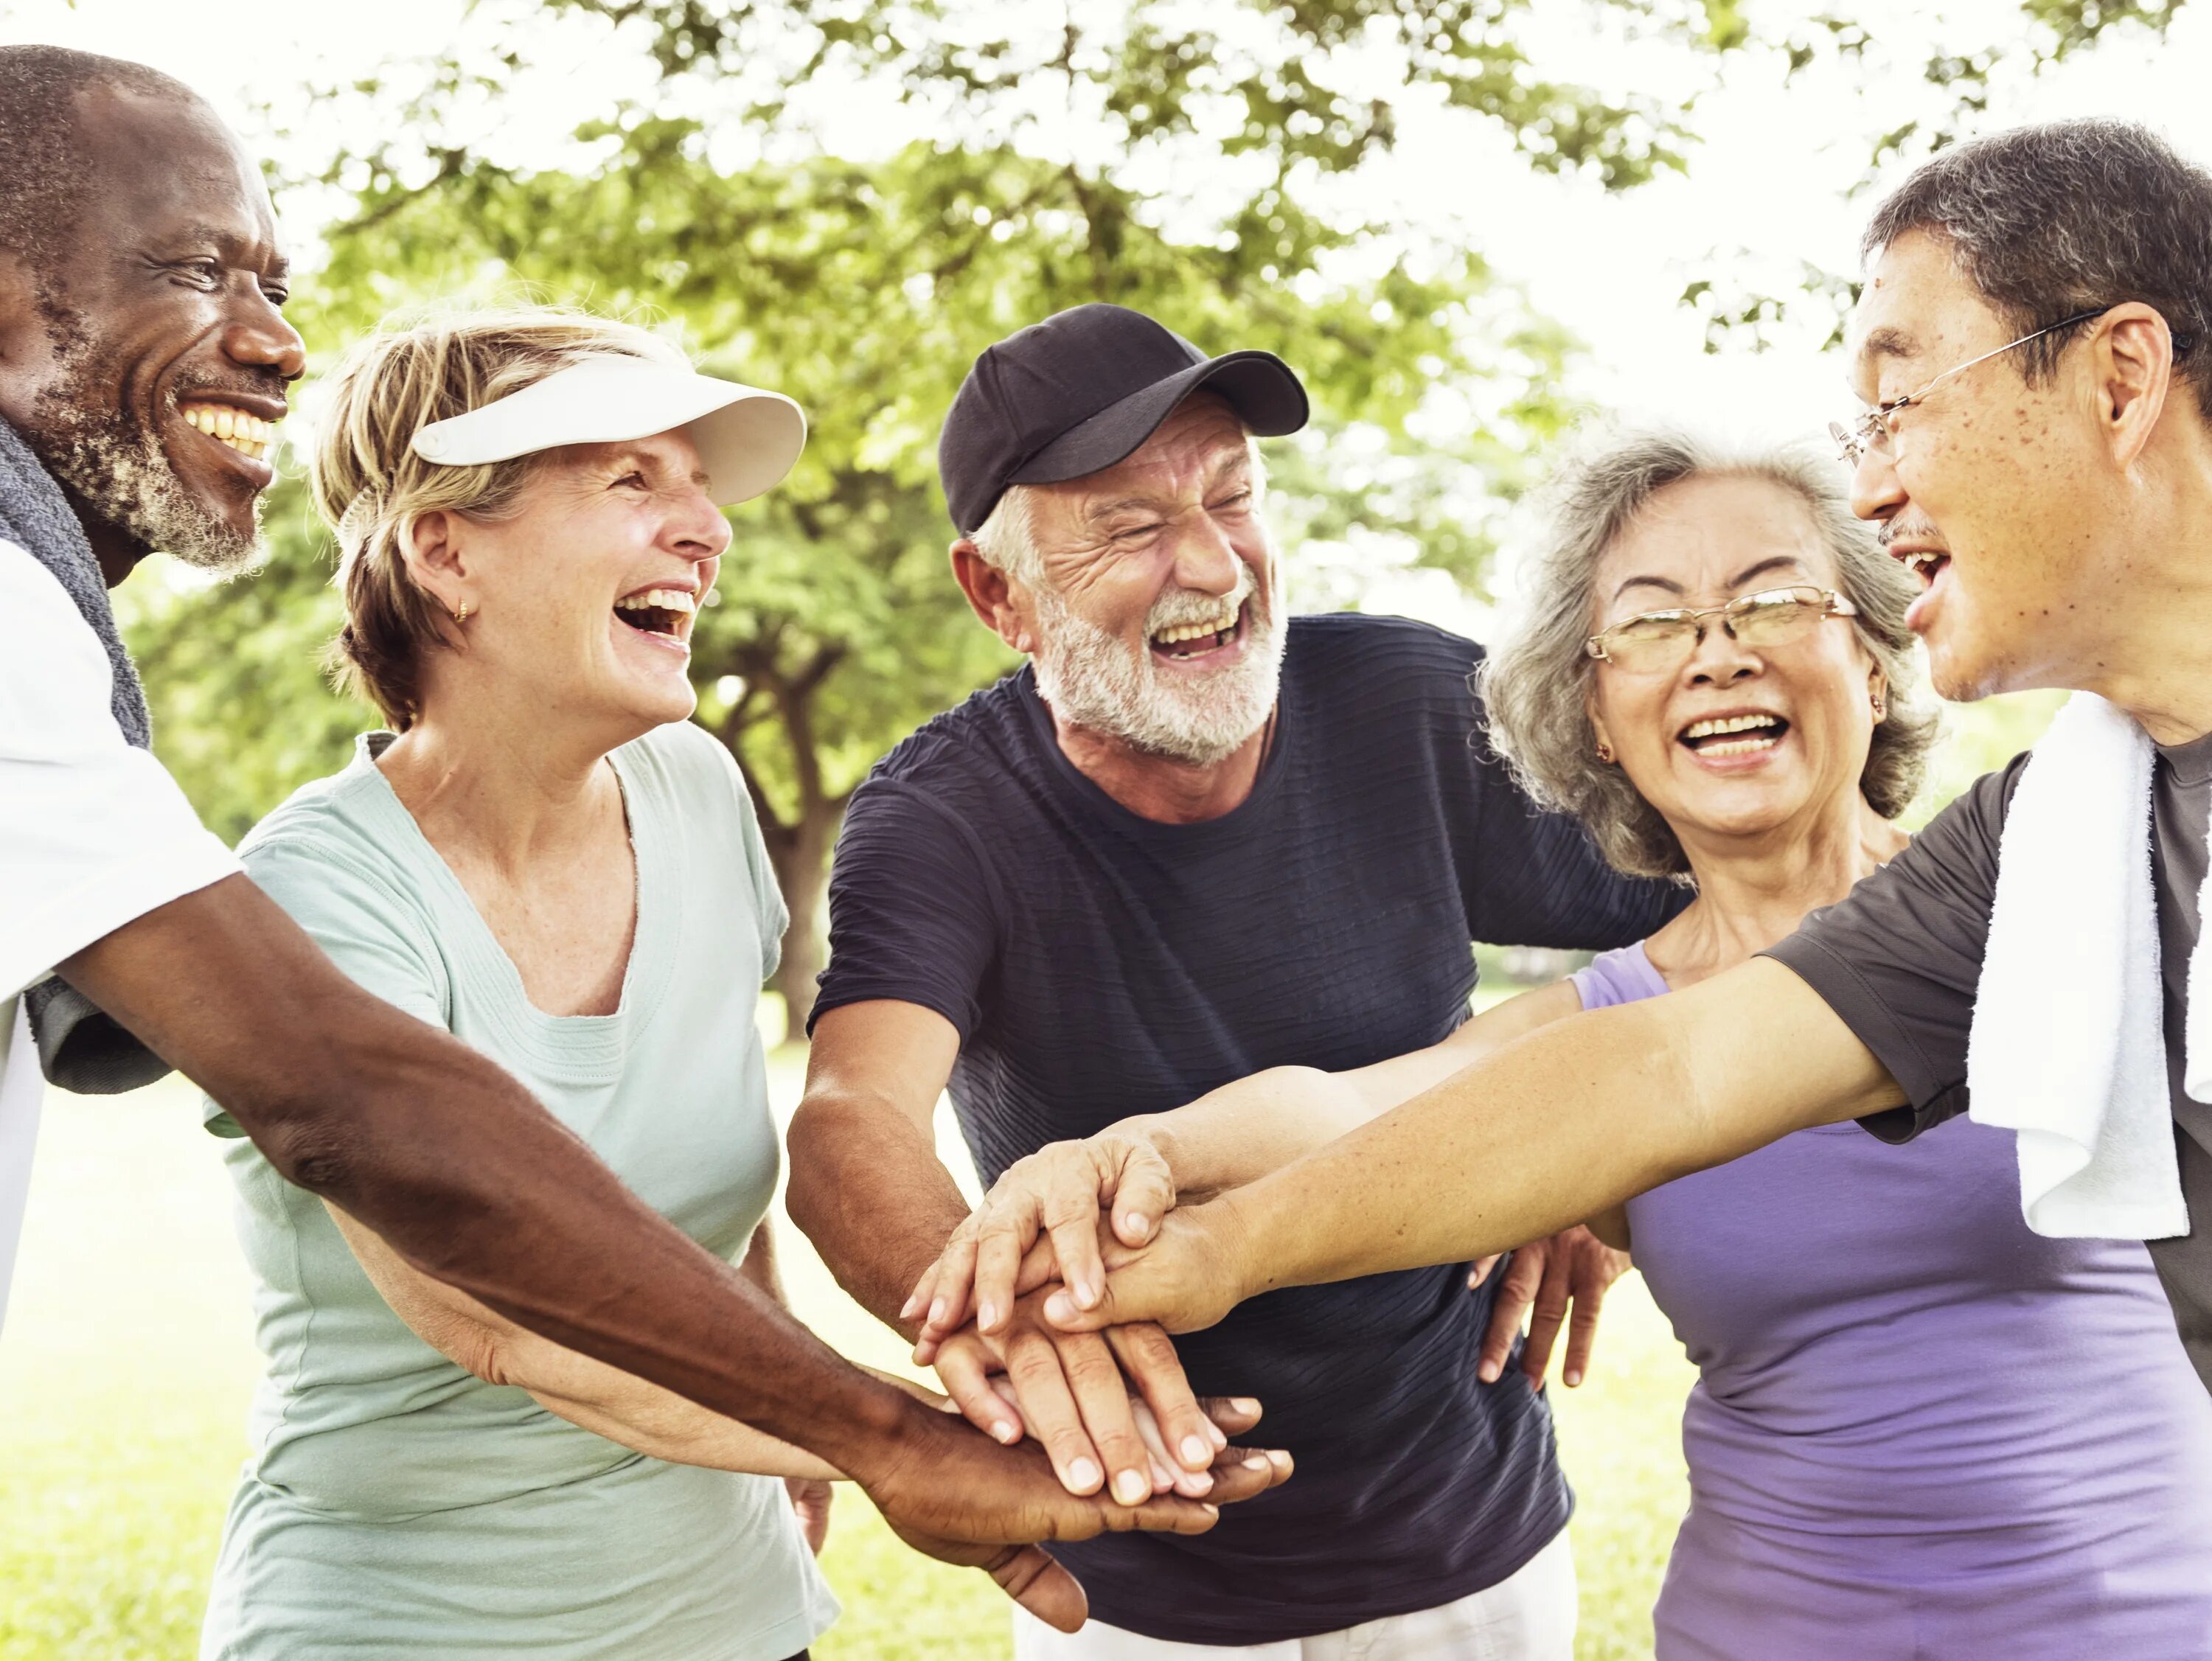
(1772,562)
(232,246)
(1889,342)
(1236,466)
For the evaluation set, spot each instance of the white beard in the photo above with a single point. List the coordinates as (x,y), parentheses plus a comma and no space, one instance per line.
(1092,681)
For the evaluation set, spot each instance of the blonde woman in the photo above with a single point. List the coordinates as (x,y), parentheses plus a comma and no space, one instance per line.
(545,857)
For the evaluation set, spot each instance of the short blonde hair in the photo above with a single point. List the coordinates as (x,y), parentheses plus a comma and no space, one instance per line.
(1536,683)
(371,486)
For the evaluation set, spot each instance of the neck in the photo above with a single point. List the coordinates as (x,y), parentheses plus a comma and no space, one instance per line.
(117,551)
(505,787)
(2155,658)
(1158,787)
(1755,890)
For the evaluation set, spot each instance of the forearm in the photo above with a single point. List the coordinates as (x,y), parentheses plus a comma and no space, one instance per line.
(1556,1128)
(450,1160)
(868,1190)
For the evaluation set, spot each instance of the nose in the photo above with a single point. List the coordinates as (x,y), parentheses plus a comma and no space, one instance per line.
(1205,559)
(258,337)
(1877,494)
(696,529)
(1720,659)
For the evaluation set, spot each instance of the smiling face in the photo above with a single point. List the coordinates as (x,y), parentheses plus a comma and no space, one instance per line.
(1153,619)
(1737,741)
(147,369)
(581,603)
(2000,495)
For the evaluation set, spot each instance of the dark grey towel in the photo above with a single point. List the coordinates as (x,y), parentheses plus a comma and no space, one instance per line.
(80,1047)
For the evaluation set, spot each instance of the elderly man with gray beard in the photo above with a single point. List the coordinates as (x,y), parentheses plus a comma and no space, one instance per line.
(1190,841)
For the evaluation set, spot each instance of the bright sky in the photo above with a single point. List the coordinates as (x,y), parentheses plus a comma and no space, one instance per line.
(1770,178)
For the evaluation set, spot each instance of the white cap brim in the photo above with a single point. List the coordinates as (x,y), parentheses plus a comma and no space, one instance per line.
(747,439)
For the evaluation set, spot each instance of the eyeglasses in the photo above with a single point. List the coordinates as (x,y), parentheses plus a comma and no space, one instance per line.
(1874,431)
(1660,642)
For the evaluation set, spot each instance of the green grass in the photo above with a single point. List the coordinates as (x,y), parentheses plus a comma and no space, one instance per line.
(127,1362)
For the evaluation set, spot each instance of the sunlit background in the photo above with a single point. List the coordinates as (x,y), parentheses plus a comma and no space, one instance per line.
(1471,224)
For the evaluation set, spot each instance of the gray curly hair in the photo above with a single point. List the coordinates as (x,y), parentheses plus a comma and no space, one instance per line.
(1536,683)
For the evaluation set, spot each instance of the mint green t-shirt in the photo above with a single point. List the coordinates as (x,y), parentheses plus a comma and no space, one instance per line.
(395,1505)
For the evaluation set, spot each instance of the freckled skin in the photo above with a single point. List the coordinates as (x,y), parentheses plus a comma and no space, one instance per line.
(2076,512)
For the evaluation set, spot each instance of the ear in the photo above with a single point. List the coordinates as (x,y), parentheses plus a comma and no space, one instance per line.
(26,343)
(997,599)
(1602,738)
(436,560)
(2131,356)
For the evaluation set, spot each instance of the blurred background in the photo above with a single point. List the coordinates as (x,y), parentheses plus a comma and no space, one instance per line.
(1470,224)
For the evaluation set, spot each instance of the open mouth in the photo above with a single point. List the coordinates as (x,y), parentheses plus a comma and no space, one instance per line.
(1925,563)
(1734,735)
(1196,638)
(228,425)
(665,612)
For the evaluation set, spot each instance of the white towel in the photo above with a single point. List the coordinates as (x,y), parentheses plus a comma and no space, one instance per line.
(2068,1044)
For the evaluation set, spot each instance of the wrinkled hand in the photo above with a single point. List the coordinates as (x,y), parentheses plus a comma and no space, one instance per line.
(1562,1280)
(1059,1195)
(1196,1270)
(1069,1391)
(952,1494)
(809,1499)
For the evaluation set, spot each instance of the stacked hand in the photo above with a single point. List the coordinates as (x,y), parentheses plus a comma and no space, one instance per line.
(1099,1216)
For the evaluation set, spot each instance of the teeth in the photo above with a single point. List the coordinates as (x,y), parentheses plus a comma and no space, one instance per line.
(246,433)
(1739,747)
(1197,631)
(659,599)
(1731,724)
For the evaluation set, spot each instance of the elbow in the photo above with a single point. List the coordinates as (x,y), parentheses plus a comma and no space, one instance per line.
(479,1350)
(809,1196)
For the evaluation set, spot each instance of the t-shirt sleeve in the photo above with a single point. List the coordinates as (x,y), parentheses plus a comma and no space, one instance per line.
(366,927)
(1900,958)
(94,832)
(913,913)
(773,915)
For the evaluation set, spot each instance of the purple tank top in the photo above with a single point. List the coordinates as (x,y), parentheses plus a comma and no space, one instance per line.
(1918,1429)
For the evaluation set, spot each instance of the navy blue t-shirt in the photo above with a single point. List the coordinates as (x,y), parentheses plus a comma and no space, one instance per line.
(1098,964)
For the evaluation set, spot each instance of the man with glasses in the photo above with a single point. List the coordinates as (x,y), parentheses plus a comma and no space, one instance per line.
(2040,452)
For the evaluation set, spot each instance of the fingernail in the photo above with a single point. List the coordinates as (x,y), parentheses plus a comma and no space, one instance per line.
(936,1312)
(1215,1434)
(1255,1462)
(1087,1292)
(1060,1308)
(1004,1431)
(1131,1488)
(911,1307)
(1487,1373)
(1243,1404)
(986,1316)
(1211,1509)
(1134,1226)
(1082,1475)
(1195,1452)
(1573,1377)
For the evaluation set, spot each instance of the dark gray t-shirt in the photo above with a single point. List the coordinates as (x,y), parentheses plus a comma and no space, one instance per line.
(1901,958)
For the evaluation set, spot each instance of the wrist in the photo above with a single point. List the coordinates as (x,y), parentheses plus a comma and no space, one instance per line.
(1237,1220)
(883,1429)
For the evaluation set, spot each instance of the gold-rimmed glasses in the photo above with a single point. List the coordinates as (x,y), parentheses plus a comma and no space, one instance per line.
(1874,431)
(1661,642)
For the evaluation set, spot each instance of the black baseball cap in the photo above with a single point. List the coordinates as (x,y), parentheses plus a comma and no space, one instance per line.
(1080,391)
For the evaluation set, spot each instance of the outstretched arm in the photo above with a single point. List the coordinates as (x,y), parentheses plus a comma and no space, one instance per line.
(1558,1126)
(1137,1170)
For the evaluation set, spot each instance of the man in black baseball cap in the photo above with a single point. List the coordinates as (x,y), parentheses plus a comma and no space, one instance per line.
(1078,392)
(1191,840)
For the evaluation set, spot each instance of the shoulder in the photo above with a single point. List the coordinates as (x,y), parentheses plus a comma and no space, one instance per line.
(321,852)
(1968,832)
(981,737)
(48,652)
(693,765)
(1403,645)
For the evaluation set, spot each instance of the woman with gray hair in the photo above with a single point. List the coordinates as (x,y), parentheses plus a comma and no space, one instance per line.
(1891,1447)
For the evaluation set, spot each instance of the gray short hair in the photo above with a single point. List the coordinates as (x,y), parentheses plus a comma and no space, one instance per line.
(2065,217)
(1536,683)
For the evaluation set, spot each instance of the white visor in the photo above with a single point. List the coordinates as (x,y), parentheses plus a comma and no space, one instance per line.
(748,439)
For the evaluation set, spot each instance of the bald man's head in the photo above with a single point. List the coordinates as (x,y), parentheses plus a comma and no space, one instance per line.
(140,282)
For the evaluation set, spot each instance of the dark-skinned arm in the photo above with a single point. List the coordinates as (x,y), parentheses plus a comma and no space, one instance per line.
(453,1163)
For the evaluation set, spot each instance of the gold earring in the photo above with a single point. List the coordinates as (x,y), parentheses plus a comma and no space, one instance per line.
(1880,709)
(1604,752)
(461,616)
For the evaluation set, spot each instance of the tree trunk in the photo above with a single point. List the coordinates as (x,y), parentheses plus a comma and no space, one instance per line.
(802,868)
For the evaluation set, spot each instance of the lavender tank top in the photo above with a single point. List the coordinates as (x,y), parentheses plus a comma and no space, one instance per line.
(1918,1429)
